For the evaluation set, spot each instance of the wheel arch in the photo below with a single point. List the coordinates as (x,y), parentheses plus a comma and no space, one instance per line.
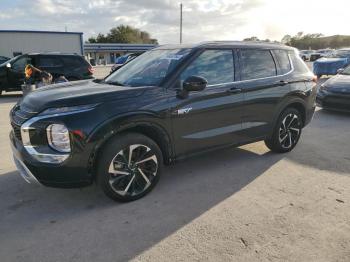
(296,102)
(151,129)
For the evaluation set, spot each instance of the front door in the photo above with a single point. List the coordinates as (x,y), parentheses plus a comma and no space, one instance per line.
(211,117)
(15,74)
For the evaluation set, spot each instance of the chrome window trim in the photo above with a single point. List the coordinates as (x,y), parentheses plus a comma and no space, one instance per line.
(261,78)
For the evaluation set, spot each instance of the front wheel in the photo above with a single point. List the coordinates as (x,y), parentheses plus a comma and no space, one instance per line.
(129,167)
(287,132)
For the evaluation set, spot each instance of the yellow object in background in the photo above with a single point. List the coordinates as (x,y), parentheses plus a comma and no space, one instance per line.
(28,71)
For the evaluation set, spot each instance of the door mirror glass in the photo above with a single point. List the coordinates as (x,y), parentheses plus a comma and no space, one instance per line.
(340,70)
(8,65)
(194,83)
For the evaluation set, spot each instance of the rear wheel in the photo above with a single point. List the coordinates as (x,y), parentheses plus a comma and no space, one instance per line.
(287,132)
(130,166)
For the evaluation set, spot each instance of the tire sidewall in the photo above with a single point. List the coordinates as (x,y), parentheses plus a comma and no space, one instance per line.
(111,149)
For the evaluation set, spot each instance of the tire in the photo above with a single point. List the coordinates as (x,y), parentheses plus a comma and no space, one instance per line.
(287,131)
(127,179)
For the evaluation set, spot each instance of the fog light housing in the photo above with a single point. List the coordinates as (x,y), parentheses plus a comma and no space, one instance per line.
(58,138)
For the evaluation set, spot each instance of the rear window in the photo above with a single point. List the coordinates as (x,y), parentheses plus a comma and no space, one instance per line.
(283,61)
(257,64)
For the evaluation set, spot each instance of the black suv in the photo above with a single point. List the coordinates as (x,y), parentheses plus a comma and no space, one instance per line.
(167,104)
(72,66)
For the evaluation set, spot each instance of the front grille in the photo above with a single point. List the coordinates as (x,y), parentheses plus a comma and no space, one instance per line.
(18,117)
(17,131)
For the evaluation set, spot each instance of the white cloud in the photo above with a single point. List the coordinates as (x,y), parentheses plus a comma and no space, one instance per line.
(203,19)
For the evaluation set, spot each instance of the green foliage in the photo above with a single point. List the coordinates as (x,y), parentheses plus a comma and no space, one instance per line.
(316,41)
(124,34)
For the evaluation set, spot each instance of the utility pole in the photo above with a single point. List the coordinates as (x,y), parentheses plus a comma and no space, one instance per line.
(181,23)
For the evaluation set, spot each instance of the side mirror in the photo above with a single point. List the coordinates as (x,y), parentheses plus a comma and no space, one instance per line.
(8,65)
(340,70)
(194,83)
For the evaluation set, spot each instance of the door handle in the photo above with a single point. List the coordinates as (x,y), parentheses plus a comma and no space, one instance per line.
(234,90)
(283,83)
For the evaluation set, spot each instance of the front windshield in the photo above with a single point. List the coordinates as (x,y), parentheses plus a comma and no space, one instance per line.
(148,69)
(341,54)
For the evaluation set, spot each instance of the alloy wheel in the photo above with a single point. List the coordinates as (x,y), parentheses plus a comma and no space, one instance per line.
(289,131)
(133,170)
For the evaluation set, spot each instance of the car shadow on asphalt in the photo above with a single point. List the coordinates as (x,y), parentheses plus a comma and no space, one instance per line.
(75,218)
(325,143)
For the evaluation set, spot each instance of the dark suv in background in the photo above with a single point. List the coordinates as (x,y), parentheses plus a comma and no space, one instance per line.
(72,66)
(167,104)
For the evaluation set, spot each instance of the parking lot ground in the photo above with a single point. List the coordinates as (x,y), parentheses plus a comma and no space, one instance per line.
(237,204)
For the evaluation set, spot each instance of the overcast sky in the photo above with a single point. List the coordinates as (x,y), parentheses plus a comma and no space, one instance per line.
(203,19)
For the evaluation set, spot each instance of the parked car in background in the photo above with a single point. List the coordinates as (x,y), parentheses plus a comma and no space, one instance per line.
(168,104)
(330,65)
(3,59)
(320,53)
(72,66)
(305,54)
(123,60)
(334,94)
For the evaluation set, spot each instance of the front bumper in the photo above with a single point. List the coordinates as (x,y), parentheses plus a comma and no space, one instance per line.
(23,169)
(66,175)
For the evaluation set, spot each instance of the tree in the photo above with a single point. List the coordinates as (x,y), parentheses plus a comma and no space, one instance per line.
(124,34)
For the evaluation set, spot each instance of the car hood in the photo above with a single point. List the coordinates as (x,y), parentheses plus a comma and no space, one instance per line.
(76,93)
(339,84)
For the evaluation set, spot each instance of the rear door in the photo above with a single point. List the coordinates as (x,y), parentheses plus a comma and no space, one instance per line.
(52,64)
(264,82)
(211,117)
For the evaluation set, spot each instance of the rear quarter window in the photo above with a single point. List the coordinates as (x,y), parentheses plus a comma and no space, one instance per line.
(283,61)
(256,64)
(298,64)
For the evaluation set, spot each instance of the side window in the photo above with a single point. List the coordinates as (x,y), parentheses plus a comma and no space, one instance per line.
(71,61)
(283,61)
(216,66)
(21,63)
(49,61)
(257,64)
(298,64)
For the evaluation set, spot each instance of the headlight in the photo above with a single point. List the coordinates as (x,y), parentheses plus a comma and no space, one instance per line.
(58,137)
(67,110)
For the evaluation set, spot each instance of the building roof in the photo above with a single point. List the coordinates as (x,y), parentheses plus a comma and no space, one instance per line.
(95,47)
(40,32)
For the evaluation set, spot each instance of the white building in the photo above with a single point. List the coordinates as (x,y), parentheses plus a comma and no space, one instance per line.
(107,53)
(16,42)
